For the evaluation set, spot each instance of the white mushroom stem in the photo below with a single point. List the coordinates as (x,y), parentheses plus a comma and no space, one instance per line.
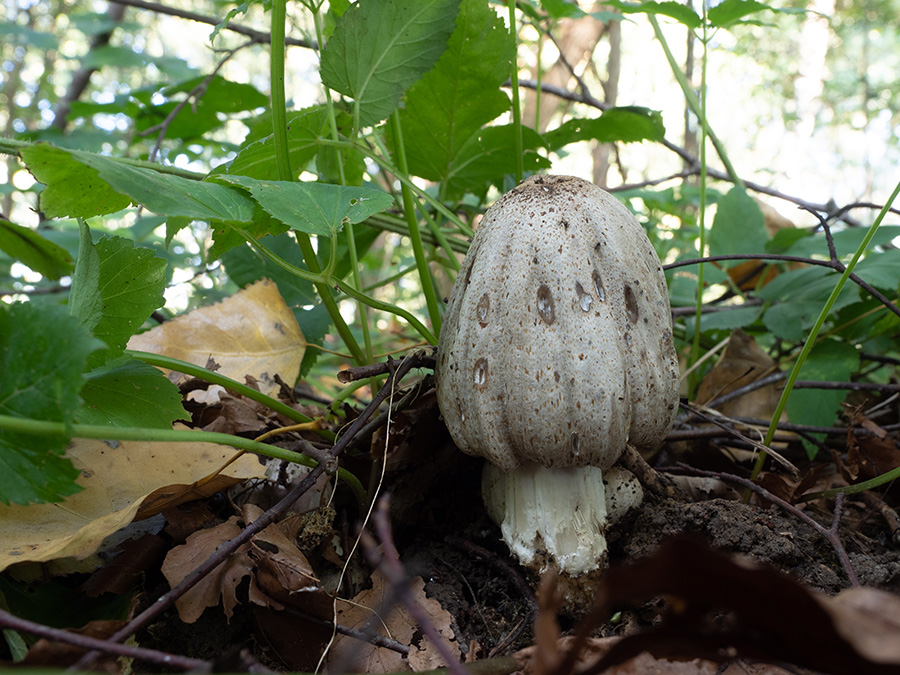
(558,518)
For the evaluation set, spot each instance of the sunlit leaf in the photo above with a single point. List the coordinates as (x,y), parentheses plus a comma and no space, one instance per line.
(380,48)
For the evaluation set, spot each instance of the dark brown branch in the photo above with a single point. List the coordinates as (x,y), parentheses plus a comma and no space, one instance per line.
(834,264)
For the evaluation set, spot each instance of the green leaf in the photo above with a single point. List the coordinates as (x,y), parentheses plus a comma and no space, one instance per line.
(129,393)
(829,361)
(881,269)
(220,94)
(314,208)
(73,189)
(562,9)
(170,195)
(85,299)
(627,124)
(30,248)
(738,317)
(110,55)
(731,11)
(379,48)
(739,225)
(15,34)
(845,241)
(489,156)
(674,10)
(43,352)
(257,158)
(460,94)
(131,284)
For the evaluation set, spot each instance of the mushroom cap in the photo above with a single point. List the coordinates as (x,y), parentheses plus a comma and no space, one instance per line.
(556,346)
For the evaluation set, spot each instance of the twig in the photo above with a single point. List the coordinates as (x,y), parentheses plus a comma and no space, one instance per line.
(85,642)
(256,35)
(420,359)
(375,638)
(830,533)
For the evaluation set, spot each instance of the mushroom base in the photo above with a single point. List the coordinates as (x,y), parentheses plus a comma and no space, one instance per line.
(557,518)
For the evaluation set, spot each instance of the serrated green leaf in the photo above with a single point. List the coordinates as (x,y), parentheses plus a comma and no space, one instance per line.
(129,393)
(829,361)
(379,48)
(739,225)
(729,319)
(460,94)
(73,189)
(627,124)
(170,195)
(131,283)
(43,352)
(314,208)
(30,248)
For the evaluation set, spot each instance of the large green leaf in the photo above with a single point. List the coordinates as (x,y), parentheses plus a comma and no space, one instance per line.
(85,298)
(739,225)
(128,393)
(829,361)
(674,10)
(314,208)
(30,248)
(460,94)
(73,189)
(626,124)
(43,352)
(380,47)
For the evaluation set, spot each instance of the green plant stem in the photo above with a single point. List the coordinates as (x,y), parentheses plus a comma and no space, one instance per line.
(701,216)
(349,229)
(40,427)
(345,288)
(415,236)
(814,333)
(390,223)
(514,81)
(691,98)
(891,475)
(279,105)
(212,377)
(282,162)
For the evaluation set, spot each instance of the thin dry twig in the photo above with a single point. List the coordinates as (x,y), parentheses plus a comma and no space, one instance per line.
(154,656)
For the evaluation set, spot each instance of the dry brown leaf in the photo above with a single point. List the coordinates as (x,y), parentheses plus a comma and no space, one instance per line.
(122,481)
(398,625)
(251,333)
(279,573)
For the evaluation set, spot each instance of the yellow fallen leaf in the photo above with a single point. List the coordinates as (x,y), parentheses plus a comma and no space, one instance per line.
(119,478)
(251,333)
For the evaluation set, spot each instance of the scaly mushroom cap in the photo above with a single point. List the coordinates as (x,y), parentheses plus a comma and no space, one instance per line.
(556,347)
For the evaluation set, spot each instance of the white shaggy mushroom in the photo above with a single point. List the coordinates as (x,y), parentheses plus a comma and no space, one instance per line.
(556,351)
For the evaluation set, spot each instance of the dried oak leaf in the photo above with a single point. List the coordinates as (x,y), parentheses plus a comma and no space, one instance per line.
(395,623)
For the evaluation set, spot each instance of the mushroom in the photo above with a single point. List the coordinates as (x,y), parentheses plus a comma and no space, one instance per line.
(556,351)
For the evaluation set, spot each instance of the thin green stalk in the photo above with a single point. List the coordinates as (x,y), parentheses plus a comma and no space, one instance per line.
(814,333)
(701,216)
(349,229)
(42,428)
(279,105)
(212,377)
(691,98)
(282,162)
(514,80)
(415,236)
(347,289)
